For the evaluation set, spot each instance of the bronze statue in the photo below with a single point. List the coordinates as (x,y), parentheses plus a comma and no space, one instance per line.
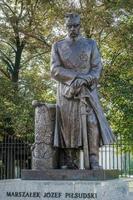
(80,121)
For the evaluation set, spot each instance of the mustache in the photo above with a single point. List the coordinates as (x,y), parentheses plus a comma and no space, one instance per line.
(73,33)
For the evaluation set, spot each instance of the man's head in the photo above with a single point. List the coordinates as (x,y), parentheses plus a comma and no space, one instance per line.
(72,21)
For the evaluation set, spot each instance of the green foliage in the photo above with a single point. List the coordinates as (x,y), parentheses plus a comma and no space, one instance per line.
(117,81)
(17,113)
(24,65)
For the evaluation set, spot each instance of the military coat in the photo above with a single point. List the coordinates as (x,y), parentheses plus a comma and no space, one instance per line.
(70,60)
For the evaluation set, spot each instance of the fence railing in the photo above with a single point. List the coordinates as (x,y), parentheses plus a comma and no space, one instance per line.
(115,157)
(15,155)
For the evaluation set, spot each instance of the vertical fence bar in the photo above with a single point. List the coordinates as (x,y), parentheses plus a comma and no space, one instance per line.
(117,155)
(109,156)
(105,156)
(24,151)
(11,154)
(4,158)
(7,157)
(129,157)
(17,157)
(29,157)
(27,153)
(113,157)
(0,162)
(21,151)
(121,156)
(102,156)
(14,155)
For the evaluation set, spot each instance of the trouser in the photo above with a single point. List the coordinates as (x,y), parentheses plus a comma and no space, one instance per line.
(70,157)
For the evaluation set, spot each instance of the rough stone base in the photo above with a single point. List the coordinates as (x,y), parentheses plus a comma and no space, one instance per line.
(60,174)
(64,190)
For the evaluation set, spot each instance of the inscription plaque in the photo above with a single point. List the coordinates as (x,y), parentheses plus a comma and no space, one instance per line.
(64,190)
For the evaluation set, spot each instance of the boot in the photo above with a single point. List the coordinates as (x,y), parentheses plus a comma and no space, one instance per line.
(94,163)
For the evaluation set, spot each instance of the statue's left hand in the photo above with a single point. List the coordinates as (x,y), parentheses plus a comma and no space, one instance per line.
(74,89)
(78,83)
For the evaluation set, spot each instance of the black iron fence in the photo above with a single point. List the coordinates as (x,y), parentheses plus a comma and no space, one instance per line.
(15,154)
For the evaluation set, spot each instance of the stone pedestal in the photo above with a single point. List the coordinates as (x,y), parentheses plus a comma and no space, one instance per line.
(63,174)
(44,156)
(65,190)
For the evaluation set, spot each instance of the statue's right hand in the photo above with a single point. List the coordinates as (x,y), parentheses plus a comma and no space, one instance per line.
(74,89)
(78,83)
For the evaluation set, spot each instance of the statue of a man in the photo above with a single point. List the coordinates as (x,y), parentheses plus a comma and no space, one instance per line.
(80,121)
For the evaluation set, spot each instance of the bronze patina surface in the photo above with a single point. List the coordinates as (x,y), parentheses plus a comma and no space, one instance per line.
(80,121)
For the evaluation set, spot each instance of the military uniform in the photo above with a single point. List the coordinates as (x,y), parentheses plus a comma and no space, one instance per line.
(73,59)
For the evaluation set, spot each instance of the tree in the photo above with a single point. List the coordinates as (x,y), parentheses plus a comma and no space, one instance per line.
(21,31)
(24,51)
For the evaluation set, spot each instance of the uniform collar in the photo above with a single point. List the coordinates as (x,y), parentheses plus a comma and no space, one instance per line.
(75,40)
